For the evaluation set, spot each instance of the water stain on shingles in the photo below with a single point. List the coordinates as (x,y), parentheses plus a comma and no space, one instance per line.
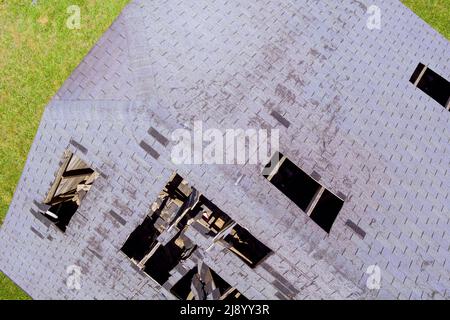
(123,209)
(272,54)
(257,122)
(285,94)
(296,78)
(210,96)
(102,231)
(95,244)
(348,182)
(361,5)
(317,54)
(84,265)
(329,48)
(269,104)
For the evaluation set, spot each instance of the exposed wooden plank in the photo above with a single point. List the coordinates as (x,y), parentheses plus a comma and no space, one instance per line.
(420,76)
(316,198)
(67,157)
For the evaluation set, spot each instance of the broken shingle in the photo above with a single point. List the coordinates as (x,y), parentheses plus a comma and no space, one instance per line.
(355,228)
(280,119)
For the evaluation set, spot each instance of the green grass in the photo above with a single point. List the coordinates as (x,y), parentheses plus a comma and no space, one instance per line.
(435,12)
(38,52)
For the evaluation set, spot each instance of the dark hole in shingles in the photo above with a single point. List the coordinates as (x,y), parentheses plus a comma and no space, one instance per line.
(65,212)
(432,84)
(139,243)
(246,246)
(176,198)
(295,184)
(164,260)
(416,73)
(212,220)
(326,210)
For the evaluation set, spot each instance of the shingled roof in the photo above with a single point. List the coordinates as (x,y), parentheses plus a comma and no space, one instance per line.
(348,115)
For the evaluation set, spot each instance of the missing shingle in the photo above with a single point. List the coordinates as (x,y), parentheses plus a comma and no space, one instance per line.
(280,118)
(37,233)
(360,232)
(149,150)
(78,146)
(160,243)
(158,136)
(118,218)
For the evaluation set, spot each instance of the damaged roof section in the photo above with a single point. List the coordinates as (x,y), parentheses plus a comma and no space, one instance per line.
(160,243)
(320,204)
(202,283)
(73,181)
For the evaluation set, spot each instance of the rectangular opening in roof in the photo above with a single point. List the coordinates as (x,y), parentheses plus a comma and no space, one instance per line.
(160,243)
(73,181)
(309,195)
(326,210)
(432,84)
(294,183)
(246,246)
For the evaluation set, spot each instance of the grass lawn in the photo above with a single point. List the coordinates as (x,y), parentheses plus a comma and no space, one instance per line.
(434,12)
(38,52)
